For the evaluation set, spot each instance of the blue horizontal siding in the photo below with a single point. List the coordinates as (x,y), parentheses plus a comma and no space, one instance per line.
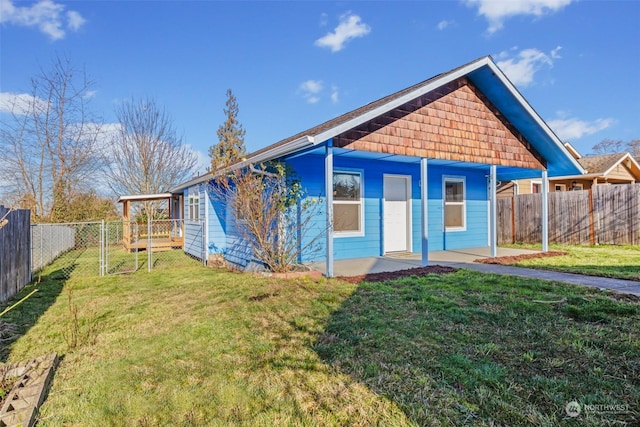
(193,238)
(223,236)
(311,171)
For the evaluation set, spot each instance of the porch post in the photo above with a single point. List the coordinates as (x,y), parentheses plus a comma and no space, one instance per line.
(425,211)
(545,211)
(493,212)
(328,183)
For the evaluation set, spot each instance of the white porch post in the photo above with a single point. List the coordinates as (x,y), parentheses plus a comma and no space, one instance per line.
(545,211)
(493,211)
(328,182)
(425,211)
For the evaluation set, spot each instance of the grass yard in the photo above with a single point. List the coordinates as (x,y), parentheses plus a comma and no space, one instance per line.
(193,346)
(621,262)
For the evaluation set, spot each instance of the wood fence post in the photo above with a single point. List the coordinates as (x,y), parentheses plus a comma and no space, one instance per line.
(592,226)
(513,219)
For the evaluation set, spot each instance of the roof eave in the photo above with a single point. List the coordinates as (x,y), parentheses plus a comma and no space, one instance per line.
(536,117)
(435,83)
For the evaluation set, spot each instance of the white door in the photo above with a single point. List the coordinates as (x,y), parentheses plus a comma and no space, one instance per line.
(396,213)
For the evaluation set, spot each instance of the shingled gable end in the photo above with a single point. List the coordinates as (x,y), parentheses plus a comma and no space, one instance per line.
(454,122)
(425,162)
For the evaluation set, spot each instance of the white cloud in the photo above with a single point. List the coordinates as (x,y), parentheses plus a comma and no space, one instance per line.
(555,53)
(444,24)
(310,90)
(20,103)
(335,95)
(45,15)
(350,27)
(311,86)
(324,19)
(522,67)
(572,129)
(75,20)
(496,12)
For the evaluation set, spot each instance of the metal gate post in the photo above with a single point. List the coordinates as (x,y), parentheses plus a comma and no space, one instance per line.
(102,249)
(149,257)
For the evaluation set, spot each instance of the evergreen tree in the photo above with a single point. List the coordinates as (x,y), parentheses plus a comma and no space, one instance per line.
(230,147)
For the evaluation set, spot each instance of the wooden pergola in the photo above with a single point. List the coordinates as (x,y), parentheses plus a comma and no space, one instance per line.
(159,235)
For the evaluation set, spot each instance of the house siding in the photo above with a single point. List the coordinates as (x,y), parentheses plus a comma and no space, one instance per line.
(193,231)
(311,171)
(216,225)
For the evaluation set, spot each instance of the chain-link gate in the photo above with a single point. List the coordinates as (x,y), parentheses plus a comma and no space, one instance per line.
(99,248)
(121,247)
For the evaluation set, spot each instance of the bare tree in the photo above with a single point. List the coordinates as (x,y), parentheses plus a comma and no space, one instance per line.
(609,146)
(147,156)
(50,144)
(274,216)
(634,148)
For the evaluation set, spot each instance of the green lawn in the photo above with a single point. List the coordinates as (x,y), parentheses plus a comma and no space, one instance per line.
(622,262)
(193,346)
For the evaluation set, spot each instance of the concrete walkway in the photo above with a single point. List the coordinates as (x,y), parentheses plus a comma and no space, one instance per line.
(465,259)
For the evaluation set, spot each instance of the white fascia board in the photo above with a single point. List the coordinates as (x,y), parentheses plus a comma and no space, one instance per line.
(505,80)
(138,197)
(402,100)
(275,152)
(197,180)
(585,176)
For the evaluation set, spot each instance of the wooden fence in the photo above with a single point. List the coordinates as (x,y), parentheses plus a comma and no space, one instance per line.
(607,214)
(15,252)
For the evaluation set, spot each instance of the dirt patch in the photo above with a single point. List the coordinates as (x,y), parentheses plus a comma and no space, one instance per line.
(392,275)
(263,296)
(508,260)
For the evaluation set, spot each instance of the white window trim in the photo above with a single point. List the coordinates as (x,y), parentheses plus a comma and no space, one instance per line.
(454,178)
(360,233)
(193,207)
(563,187)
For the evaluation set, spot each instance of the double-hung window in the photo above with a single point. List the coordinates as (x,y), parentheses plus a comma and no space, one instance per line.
(454,204)
(194,206)
(348,215)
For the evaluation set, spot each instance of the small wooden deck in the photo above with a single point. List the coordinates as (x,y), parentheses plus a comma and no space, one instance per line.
(158,244)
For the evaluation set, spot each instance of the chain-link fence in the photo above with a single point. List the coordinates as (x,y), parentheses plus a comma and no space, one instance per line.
(69,248)
(101,248)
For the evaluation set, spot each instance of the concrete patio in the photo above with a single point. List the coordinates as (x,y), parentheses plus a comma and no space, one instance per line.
(465,258)
(403,261)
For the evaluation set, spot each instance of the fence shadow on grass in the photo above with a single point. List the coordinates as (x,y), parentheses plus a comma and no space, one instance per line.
(17,322)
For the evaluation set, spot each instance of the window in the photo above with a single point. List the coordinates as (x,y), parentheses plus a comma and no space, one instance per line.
(347,203)
(536,187)
(454,204)
(194,206)
(560,187)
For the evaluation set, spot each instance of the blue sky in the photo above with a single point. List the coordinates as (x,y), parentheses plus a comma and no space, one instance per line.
(293,65)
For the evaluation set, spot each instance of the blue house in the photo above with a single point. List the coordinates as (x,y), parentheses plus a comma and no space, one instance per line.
(415,171)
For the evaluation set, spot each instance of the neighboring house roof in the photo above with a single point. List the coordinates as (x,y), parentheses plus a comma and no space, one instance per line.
(485,75)
(602,165)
